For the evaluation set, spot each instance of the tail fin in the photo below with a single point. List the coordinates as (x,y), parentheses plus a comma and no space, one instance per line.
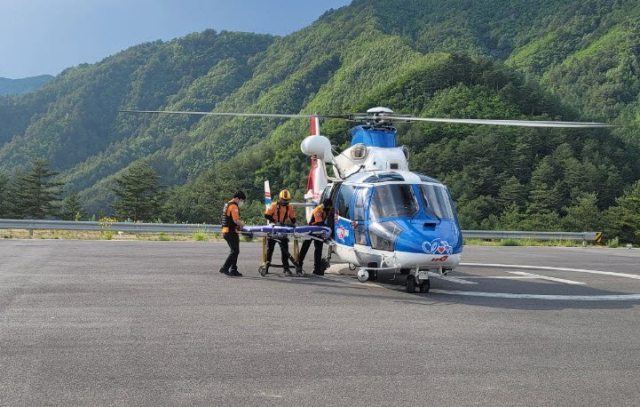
(315,126)
(317,175)
(267,194)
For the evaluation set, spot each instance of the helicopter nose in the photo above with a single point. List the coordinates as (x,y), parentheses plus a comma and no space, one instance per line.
(430,238)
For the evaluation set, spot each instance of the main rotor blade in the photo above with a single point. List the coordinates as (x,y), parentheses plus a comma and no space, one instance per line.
(383,118)
(522,123)
(219,114)
(272,115)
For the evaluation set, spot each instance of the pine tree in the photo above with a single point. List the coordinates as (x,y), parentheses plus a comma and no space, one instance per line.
(512,192)
(624,219)
(36,197)
(5,208)
(585,216)
(72,208)
(139,195)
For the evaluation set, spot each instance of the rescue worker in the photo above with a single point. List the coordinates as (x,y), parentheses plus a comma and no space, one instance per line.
(231,226)
(319,217)
(279,213)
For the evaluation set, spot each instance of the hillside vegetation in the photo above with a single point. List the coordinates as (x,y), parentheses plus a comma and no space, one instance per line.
(24,85)
(533,59)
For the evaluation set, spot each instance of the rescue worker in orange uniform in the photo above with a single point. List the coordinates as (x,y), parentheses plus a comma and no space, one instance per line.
(279,213)
(319,217)
(231,226)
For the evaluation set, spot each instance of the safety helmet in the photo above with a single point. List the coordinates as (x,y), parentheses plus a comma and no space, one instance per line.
(284,195)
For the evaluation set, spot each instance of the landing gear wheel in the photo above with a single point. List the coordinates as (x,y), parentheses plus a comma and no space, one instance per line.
(425,286)
(262,270)
(363,275)
(411,285)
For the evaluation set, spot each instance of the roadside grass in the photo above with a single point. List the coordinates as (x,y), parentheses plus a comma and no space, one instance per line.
(613,243)
(111,235)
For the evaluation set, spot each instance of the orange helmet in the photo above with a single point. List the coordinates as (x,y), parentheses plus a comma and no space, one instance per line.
(284,195)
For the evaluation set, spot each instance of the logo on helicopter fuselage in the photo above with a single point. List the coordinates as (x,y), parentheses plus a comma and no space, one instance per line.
(342,232)
(437,246)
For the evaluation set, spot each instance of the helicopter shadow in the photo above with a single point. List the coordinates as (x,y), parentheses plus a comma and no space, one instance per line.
(313,281)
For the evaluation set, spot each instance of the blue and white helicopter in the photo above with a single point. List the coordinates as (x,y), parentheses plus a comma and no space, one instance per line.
(387,218)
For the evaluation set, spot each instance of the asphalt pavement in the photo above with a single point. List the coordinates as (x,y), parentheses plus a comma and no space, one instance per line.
(121,323)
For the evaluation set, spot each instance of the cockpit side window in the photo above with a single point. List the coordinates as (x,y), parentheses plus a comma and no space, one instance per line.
(394,200)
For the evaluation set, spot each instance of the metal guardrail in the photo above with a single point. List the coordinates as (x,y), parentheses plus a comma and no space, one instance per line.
(32,224)
(496,234)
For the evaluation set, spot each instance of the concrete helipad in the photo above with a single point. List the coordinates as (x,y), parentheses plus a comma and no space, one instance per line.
(153,323)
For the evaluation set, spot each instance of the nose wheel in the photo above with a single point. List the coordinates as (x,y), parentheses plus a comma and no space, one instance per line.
(412,284)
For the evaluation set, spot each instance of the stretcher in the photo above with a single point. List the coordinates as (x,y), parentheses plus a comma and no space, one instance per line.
(280,233)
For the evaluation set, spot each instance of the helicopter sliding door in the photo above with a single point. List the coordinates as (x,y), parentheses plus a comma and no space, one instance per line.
(360,215)
(343,229)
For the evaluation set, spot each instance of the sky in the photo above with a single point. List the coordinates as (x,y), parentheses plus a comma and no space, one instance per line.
(46,36)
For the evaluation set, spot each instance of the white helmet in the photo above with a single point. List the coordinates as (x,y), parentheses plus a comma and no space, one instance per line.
(363,275)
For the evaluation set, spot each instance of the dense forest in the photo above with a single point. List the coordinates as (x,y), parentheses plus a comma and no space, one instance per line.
(24,85)
(517,59)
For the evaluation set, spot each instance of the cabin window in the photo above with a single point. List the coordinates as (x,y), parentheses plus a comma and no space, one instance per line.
(361,199)
(360,236)
(437,201)
(344,200)
(395,200)
(326,194)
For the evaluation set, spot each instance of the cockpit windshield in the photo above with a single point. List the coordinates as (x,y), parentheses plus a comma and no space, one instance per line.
(394,200)
(437,201)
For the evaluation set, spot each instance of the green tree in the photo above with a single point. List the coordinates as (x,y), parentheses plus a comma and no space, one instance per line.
(72,208)
(624,219)
(511,218)
(585,216)
(5,208)
(512,192)
(139,195)
(36,196)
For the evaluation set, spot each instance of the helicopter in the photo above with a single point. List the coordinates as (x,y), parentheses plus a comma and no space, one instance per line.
(386,217)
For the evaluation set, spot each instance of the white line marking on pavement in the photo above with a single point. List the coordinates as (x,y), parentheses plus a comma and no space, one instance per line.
(502,277)
(520,275)
(620,297)
(452,279)
(604,273)
(538,276)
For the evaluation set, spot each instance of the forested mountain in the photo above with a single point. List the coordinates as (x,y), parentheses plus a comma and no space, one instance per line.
(24,85)
(519,59)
